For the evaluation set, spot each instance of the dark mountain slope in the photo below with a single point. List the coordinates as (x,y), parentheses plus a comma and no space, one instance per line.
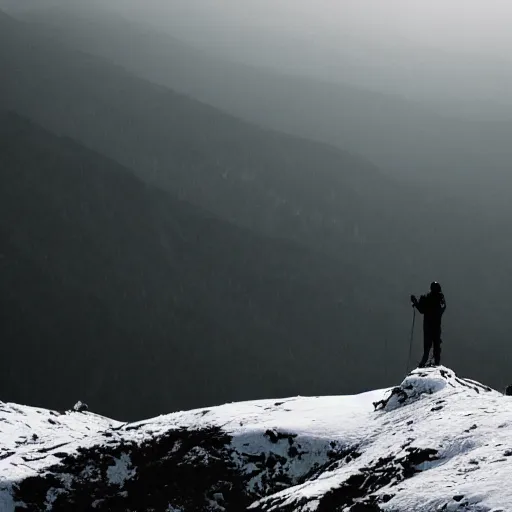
(272,182)
(113,292)
(295,189)
(398,134)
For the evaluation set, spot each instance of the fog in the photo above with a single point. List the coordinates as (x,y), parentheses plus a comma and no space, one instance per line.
(460,50)
(300,167)
(422,49)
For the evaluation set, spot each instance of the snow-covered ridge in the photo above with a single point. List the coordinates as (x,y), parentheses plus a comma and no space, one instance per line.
(436,442)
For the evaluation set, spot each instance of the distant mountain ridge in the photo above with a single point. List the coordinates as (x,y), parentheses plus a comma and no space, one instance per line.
(139,302)
(326,247)
(265,180)
(397,134)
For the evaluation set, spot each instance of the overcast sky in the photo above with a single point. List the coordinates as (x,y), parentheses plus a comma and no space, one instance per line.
(423,49)
(461,24)
(455,25)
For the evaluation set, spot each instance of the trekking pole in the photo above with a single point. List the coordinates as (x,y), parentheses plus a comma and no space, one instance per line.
(411,340)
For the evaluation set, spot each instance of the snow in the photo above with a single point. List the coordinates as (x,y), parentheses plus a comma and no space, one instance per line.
(121,470)
(466,426)
(33,435)
(6,501)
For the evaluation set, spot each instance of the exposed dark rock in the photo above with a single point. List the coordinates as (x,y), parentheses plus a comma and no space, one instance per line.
(277,436)
(6,454)
(362,486)
(338,457)
(398,392)
(182,468)
(80,407)
(362,507)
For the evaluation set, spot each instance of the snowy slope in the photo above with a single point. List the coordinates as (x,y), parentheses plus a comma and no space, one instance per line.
(436,442)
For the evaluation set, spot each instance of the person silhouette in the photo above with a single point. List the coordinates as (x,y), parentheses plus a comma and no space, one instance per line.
(432,306)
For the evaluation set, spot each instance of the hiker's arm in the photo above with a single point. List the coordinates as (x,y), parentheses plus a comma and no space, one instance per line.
(420,304)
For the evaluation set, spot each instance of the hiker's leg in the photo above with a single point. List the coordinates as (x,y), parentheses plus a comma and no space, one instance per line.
(437,348)
(427,344)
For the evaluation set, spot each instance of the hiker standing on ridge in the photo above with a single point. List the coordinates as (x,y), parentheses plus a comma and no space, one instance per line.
(432,307)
